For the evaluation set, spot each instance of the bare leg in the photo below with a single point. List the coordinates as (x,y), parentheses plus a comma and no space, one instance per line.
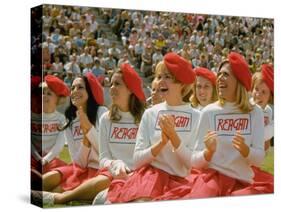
(86,191)
(51,180)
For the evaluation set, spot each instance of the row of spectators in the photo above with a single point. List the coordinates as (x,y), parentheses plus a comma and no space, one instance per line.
(77,40)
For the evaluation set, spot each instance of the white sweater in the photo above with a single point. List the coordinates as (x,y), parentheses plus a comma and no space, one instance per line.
(117,140)
(226,121)
(81,154)
(45,136)
(175,163)
(268,123)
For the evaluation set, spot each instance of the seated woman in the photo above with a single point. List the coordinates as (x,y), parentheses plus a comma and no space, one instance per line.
(47,138)
(162,155)
(119,126)
(82,179)
(230,138)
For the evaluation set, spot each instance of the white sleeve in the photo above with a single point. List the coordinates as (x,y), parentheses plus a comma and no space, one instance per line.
(82,156)
(142,152)
(71,145)
(257,153)
(198,159)
(105,156)
(269,131)
(57,148)
(269,128)
(92,133)
(185,151)
(184,155)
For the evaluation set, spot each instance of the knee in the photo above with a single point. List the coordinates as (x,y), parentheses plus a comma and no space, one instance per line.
(51,180)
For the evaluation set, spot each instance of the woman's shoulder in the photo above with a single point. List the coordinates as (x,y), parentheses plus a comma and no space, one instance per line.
(102,110)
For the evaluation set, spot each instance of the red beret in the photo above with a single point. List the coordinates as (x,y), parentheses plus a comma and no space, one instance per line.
(268,76)
(96,88)
(133,81)
(206,73)
(179,67)
(57,85)
(240,69)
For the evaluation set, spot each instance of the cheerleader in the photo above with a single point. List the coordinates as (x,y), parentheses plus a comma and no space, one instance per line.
(204,89)
(162,153)
(119,126)
(47,140)
(262,92)
(82,132)
(230,137)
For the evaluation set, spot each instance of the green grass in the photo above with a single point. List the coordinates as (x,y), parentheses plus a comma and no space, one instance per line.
(268,164)
(64,155)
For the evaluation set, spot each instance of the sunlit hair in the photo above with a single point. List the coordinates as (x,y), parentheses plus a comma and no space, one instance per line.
(195,102)
(242,96)
(257,79)
(136,107)
(187,88)
(61,99)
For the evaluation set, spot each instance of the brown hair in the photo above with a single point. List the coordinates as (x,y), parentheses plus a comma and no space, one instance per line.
(242,96)
(136,107)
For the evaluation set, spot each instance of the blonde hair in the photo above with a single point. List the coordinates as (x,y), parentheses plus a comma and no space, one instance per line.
(187,88)
(193,99)
(257,79)
(242,99)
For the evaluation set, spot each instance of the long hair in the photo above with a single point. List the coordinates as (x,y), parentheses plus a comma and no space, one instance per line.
(91,111)
(136,108)
(242,95)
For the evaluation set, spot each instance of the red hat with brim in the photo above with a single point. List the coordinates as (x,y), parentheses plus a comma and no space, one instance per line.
(207,74)
(57,85)
(240,69)
(96,88)
(180,68)
(133,81)
(268,76)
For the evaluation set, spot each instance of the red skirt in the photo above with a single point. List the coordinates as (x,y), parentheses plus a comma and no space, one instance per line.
(55,163)
(146,182)
(73,175)
(211,183)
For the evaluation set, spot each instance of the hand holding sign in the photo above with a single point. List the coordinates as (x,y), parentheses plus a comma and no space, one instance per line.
(238,143)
